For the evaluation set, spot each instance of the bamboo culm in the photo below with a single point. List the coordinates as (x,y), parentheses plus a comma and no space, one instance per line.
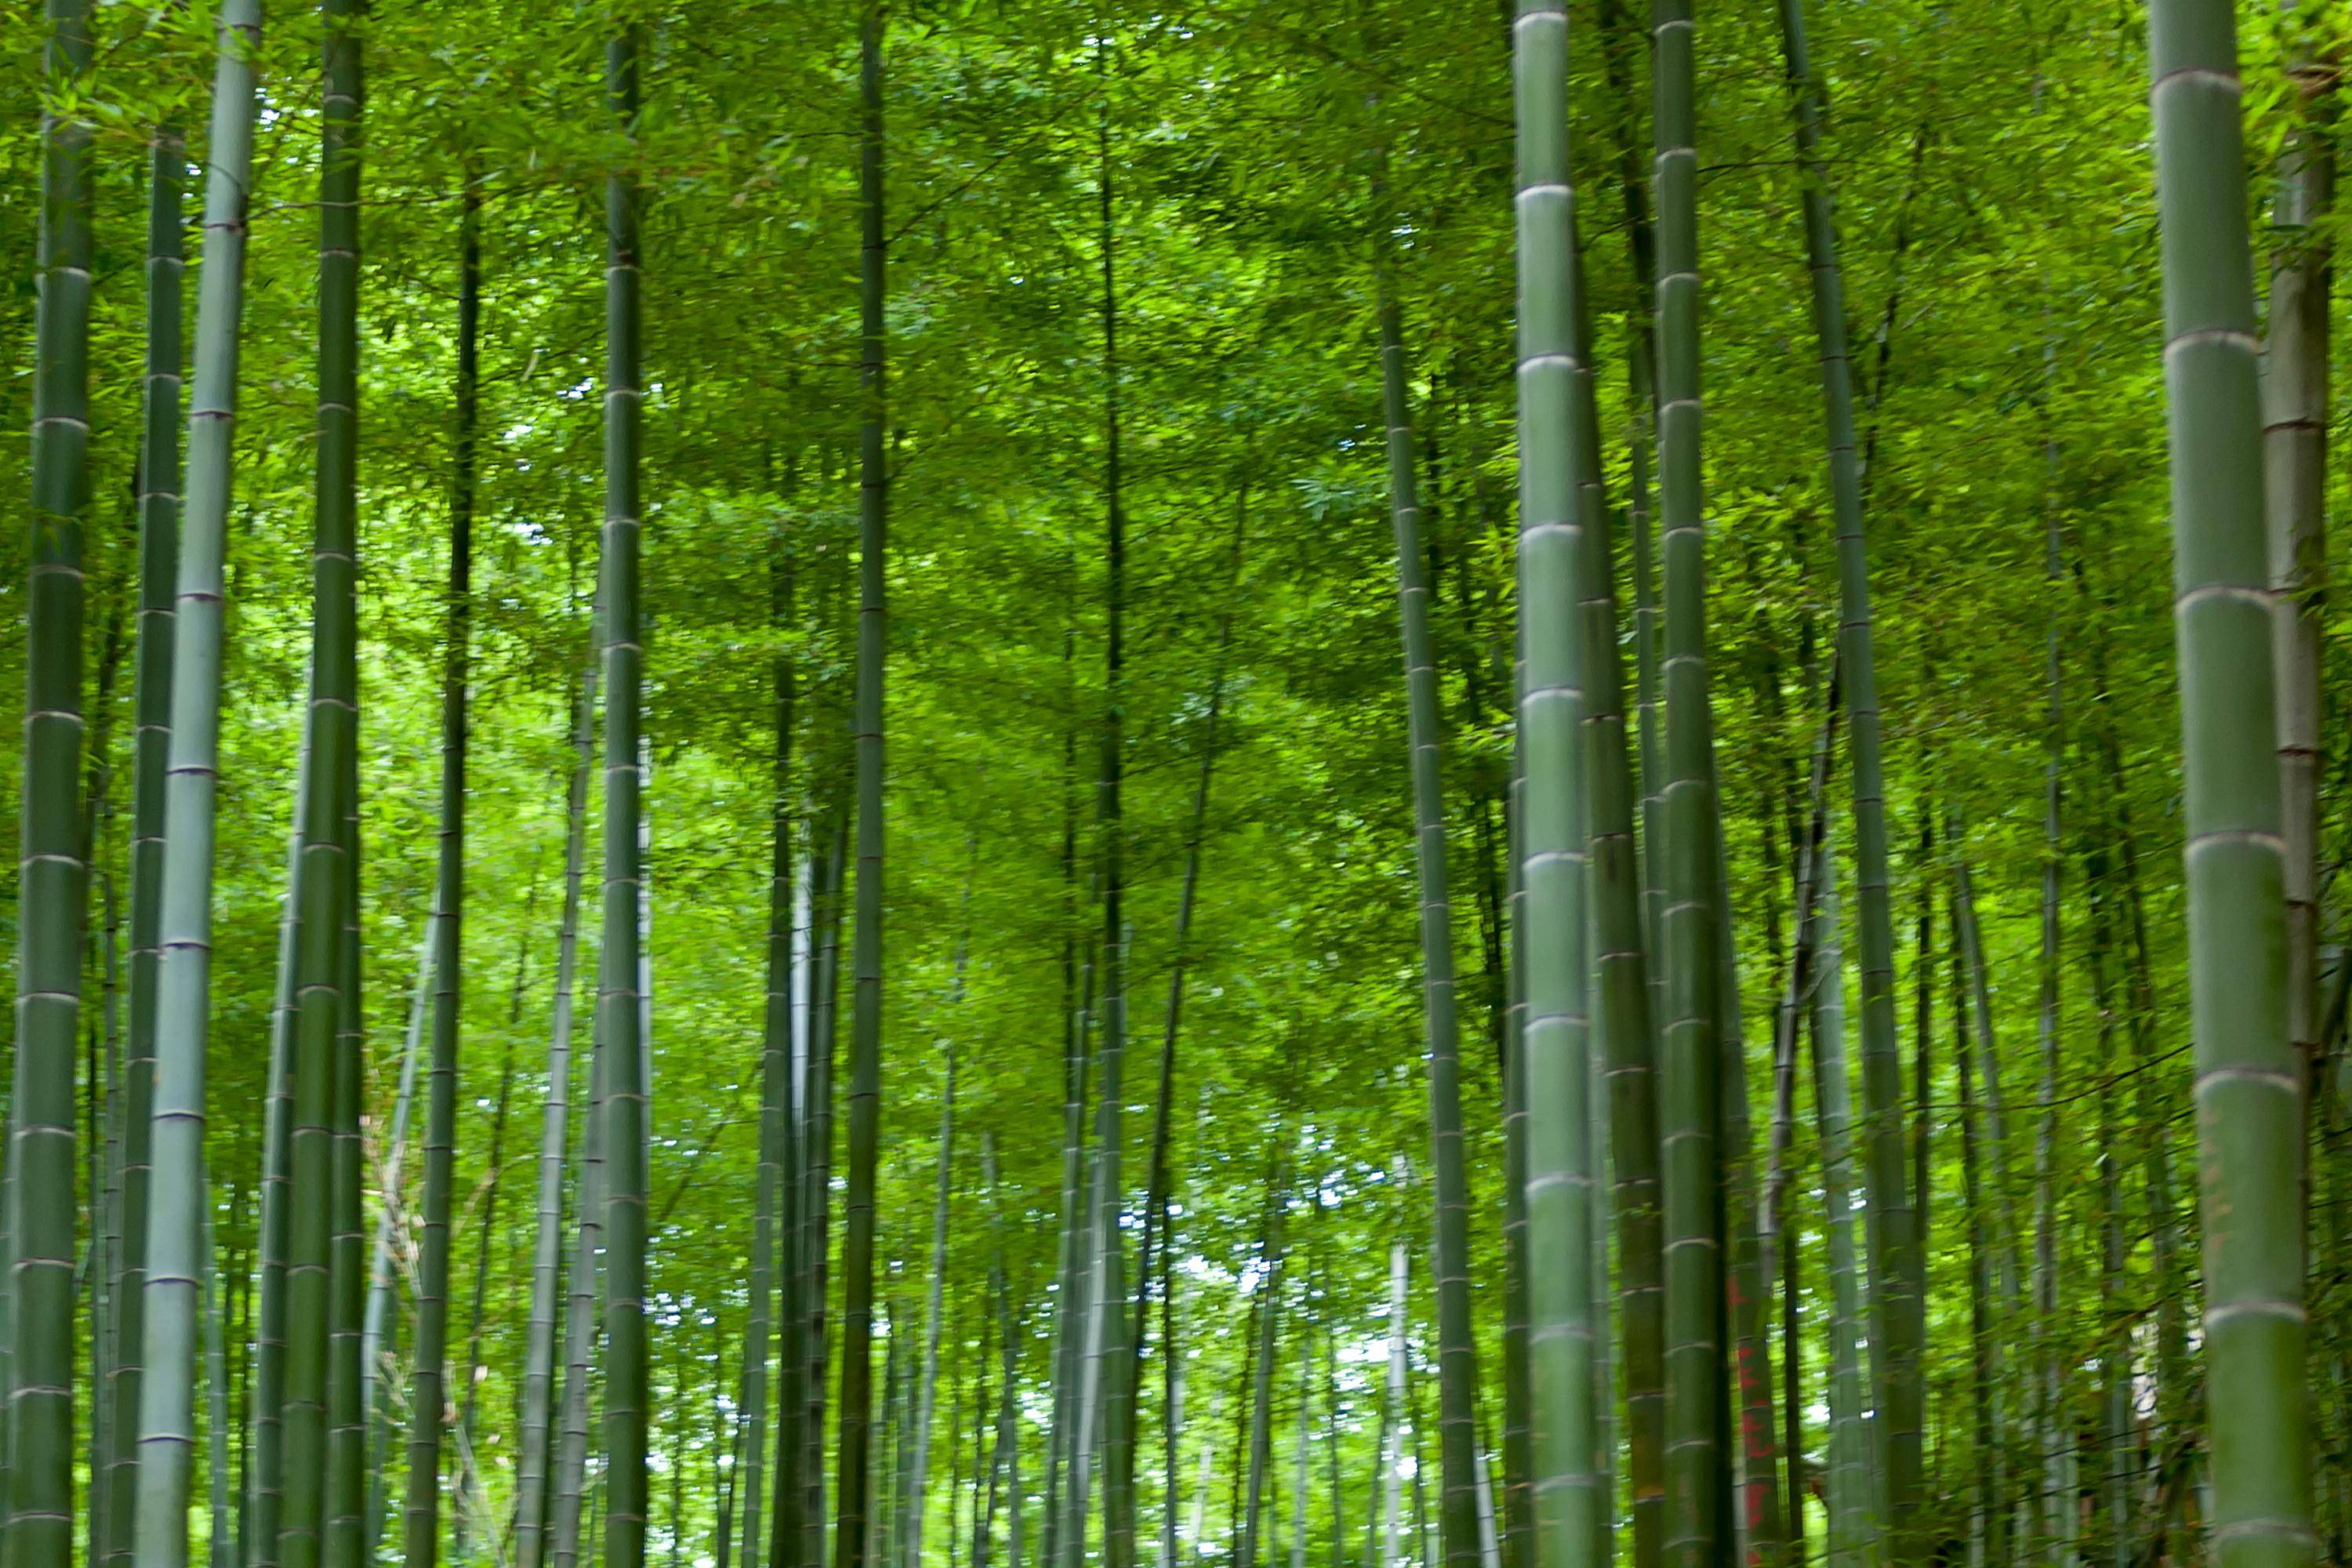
(854,1470)
(179,1210)
(52,871)
(159,548)
(2248,1084)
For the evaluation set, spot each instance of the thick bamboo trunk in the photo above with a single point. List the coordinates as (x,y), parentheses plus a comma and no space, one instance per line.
(178,1261)
(1555,509)
(53,867)
(2249,1093)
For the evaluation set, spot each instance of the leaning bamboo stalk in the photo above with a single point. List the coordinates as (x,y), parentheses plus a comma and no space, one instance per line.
(1155,1202)
(177,1263)
(1897,1269)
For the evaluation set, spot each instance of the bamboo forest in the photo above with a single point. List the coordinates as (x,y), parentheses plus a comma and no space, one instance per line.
(1058,783)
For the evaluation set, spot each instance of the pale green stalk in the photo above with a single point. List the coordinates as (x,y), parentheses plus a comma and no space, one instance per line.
(177,1263)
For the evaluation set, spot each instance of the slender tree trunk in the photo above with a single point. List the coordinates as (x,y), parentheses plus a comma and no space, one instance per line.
(470,1385)
(1777,1236)
(429,1397)
(547,1248)
(1457,1356)
(1629,1022)
(569,1476)
(1897,1263)
(927,1387)
(1691,1054)
(1156,1197)
(345,1532)
(1115,1359)
(2057,1438)
(52,867)
(1849,1486)
(2117,1421)
(379,1327)
(777,1205)
(1922,1028)
(322,886)
(158,551)
(726,1466)
(865,1032)
(1989,1511)
(176,1259)
(1298,1454)
(216,1409)
(1249,1537)
(824,1013)
(1004,1454)
(2295,462)
(620,989)
(1393,1411)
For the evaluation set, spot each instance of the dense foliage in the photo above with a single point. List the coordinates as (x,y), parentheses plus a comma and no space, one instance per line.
(1138,263)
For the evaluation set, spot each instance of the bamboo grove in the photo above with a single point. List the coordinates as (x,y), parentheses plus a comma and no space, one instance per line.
(1034,785)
